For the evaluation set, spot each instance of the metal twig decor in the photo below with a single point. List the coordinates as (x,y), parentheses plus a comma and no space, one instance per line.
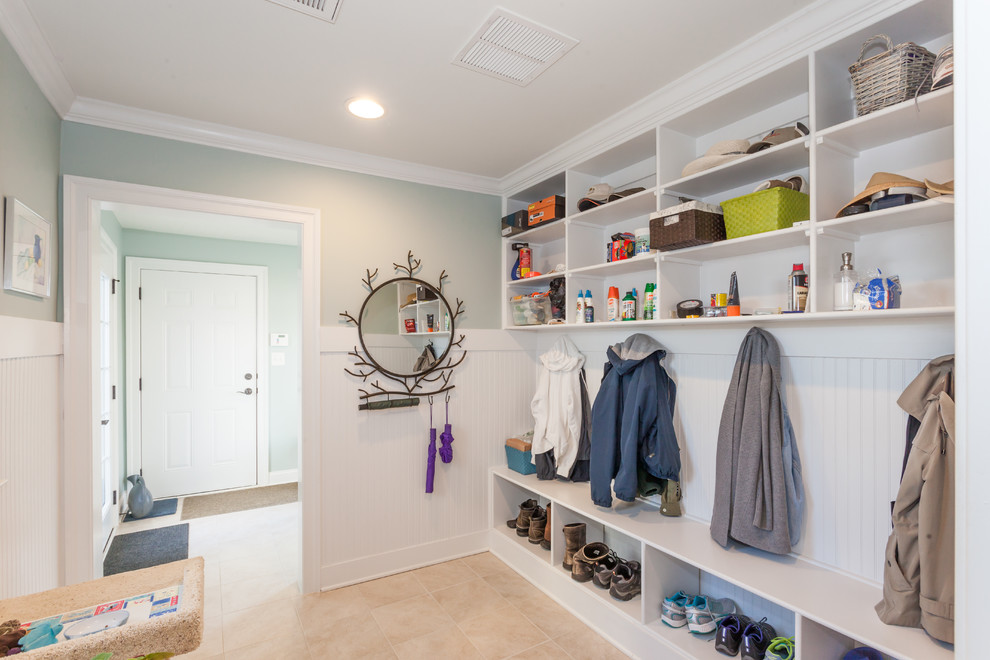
(383,382)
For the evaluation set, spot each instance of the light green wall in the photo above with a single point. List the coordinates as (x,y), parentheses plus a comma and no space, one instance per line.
(284,316)
(368,222)
(29,160)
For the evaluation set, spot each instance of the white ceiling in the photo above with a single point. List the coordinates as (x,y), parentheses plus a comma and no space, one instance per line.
(256,66)
(206,225)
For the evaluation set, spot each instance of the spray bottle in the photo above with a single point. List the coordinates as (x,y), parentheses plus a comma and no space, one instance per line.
(589,307)
(579,315)
(649,302)
(524,261)
(612,313)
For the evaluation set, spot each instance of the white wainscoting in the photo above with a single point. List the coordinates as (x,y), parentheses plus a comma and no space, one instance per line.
(377,519)
(850,431)
(30,500)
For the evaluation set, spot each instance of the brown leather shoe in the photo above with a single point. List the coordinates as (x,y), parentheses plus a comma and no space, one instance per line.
(626,581)
(525,511)
(587,559)
(537,525)
(545,543)
(574,540)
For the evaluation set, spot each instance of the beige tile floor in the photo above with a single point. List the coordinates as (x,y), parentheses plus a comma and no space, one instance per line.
(470,608)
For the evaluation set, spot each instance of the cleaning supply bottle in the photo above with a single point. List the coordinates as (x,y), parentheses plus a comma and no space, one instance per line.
(797,289)
(524,261)
(589,307)
(732,307)
(629,307)
(649,303)
(579,312)
(612,313)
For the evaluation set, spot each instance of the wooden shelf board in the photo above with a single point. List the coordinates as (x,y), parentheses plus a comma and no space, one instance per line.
(737,247)
(641,263)
(838,601)
(626,208)
(631,608)
(695,646)
(523,542)
(547,232)
(534,281)
(783,319)
(767,164)
(893,123)
(930,212)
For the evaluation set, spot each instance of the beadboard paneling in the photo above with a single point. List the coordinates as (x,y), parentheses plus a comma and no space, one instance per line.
(375,461)
(30,410)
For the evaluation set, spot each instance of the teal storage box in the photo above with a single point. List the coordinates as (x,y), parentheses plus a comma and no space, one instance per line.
(519,455)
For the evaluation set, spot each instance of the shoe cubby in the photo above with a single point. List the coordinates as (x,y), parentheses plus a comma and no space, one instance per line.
(506,498)
(666,575)
(623,545)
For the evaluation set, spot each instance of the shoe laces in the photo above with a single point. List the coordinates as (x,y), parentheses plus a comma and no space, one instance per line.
(760,630)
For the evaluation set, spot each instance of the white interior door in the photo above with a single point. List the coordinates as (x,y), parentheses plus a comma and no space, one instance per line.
(198,381)
(108,442)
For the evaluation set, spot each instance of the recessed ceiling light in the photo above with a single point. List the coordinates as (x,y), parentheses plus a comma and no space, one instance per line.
(365,108)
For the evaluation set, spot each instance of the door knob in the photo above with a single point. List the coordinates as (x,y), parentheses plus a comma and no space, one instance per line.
(246,391)
(248,376)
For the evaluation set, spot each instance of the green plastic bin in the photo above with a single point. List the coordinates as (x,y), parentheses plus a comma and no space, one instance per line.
(767,210)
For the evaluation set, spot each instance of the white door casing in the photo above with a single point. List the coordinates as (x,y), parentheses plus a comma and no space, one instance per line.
(108,443)
(144,380)
(81,202)
(199,385)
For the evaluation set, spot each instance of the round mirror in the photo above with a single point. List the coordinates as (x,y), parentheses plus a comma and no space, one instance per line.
(405,327)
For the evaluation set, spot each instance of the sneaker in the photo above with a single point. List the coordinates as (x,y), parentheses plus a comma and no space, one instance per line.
(756,639)
(704,613)
(586,559)
(604,568)
(730,632)
(626,581)
(672,609)
(781,648)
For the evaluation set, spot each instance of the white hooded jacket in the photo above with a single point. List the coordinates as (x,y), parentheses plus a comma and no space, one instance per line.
(557,405)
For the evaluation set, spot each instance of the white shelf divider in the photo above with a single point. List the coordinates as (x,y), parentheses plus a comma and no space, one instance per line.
(930,212)
(737,247)
(625,208)
(766,164)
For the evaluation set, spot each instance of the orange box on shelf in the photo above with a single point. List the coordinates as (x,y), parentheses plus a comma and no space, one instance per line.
(551,208)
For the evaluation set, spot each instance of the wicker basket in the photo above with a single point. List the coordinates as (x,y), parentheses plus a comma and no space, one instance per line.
(686,225)
(767,210)
(899,73)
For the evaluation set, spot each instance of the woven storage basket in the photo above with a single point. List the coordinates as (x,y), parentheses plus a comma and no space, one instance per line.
(686,225)
(897,74)
(767,210)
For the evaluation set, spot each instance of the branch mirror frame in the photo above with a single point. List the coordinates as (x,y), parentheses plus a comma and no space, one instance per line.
(432,380)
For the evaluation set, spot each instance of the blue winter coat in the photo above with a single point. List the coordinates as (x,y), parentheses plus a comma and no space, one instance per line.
(632,420)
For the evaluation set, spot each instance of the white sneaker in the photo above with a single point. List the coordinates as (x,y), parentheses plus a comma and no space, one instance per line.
(673,609)
(704,613)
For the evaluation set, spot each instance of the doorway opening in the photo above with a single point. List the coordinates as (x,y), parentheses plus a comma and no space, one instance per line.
(218,222)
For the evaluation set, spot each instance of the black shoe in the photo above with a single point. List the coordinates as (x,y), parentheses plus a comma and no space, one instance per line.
(730,632)
(626,581)
(756,638)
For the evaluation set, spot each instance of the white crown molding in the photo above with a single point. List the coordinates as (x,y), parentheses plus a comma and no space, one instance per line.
(158,124)
(19,26)
(807,30)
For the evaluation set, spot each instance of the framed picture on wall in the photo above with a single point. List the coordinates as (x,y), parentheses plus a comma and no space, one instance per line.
(27,251)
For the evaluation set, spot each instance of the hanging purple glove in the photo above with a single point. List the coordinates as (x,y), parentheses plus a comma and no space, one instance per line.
(431,453)
(447,438)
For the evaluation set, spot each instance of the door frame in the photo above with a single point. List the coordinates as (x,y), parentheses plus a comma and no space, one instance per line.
(107,245)
(81,201)
(132,344)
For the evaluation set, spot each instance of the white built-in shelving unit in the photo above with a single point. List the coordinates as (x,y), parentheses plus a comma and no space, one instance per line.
(828,609)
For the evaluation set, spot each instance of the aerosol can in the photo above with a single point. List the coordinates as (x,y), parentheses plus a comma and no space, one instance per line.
(524,262)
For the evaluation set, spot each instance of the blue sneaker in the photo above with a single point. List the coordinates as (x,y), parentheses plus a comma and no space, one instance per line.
(704,613)
(673,609)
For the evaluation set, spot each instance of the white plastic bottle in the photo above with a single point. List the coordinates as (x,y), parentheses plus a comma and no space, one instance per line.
(579,312)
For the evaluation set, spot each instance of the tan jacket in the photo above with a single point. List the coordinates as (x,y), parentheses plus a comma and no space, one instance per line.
(919,566)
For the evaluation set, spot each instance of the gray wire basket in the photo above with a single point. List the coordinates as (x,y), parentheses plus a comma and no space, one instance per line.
(899,73)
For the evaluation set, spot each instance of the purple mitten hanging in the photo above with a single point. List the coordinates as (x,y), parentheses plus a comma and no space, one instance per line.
(431,453)
(447,438)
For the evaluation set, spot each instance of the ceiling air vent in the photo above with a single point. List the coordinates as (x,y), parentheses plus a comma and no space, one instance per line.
(328,10)
(513,49)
